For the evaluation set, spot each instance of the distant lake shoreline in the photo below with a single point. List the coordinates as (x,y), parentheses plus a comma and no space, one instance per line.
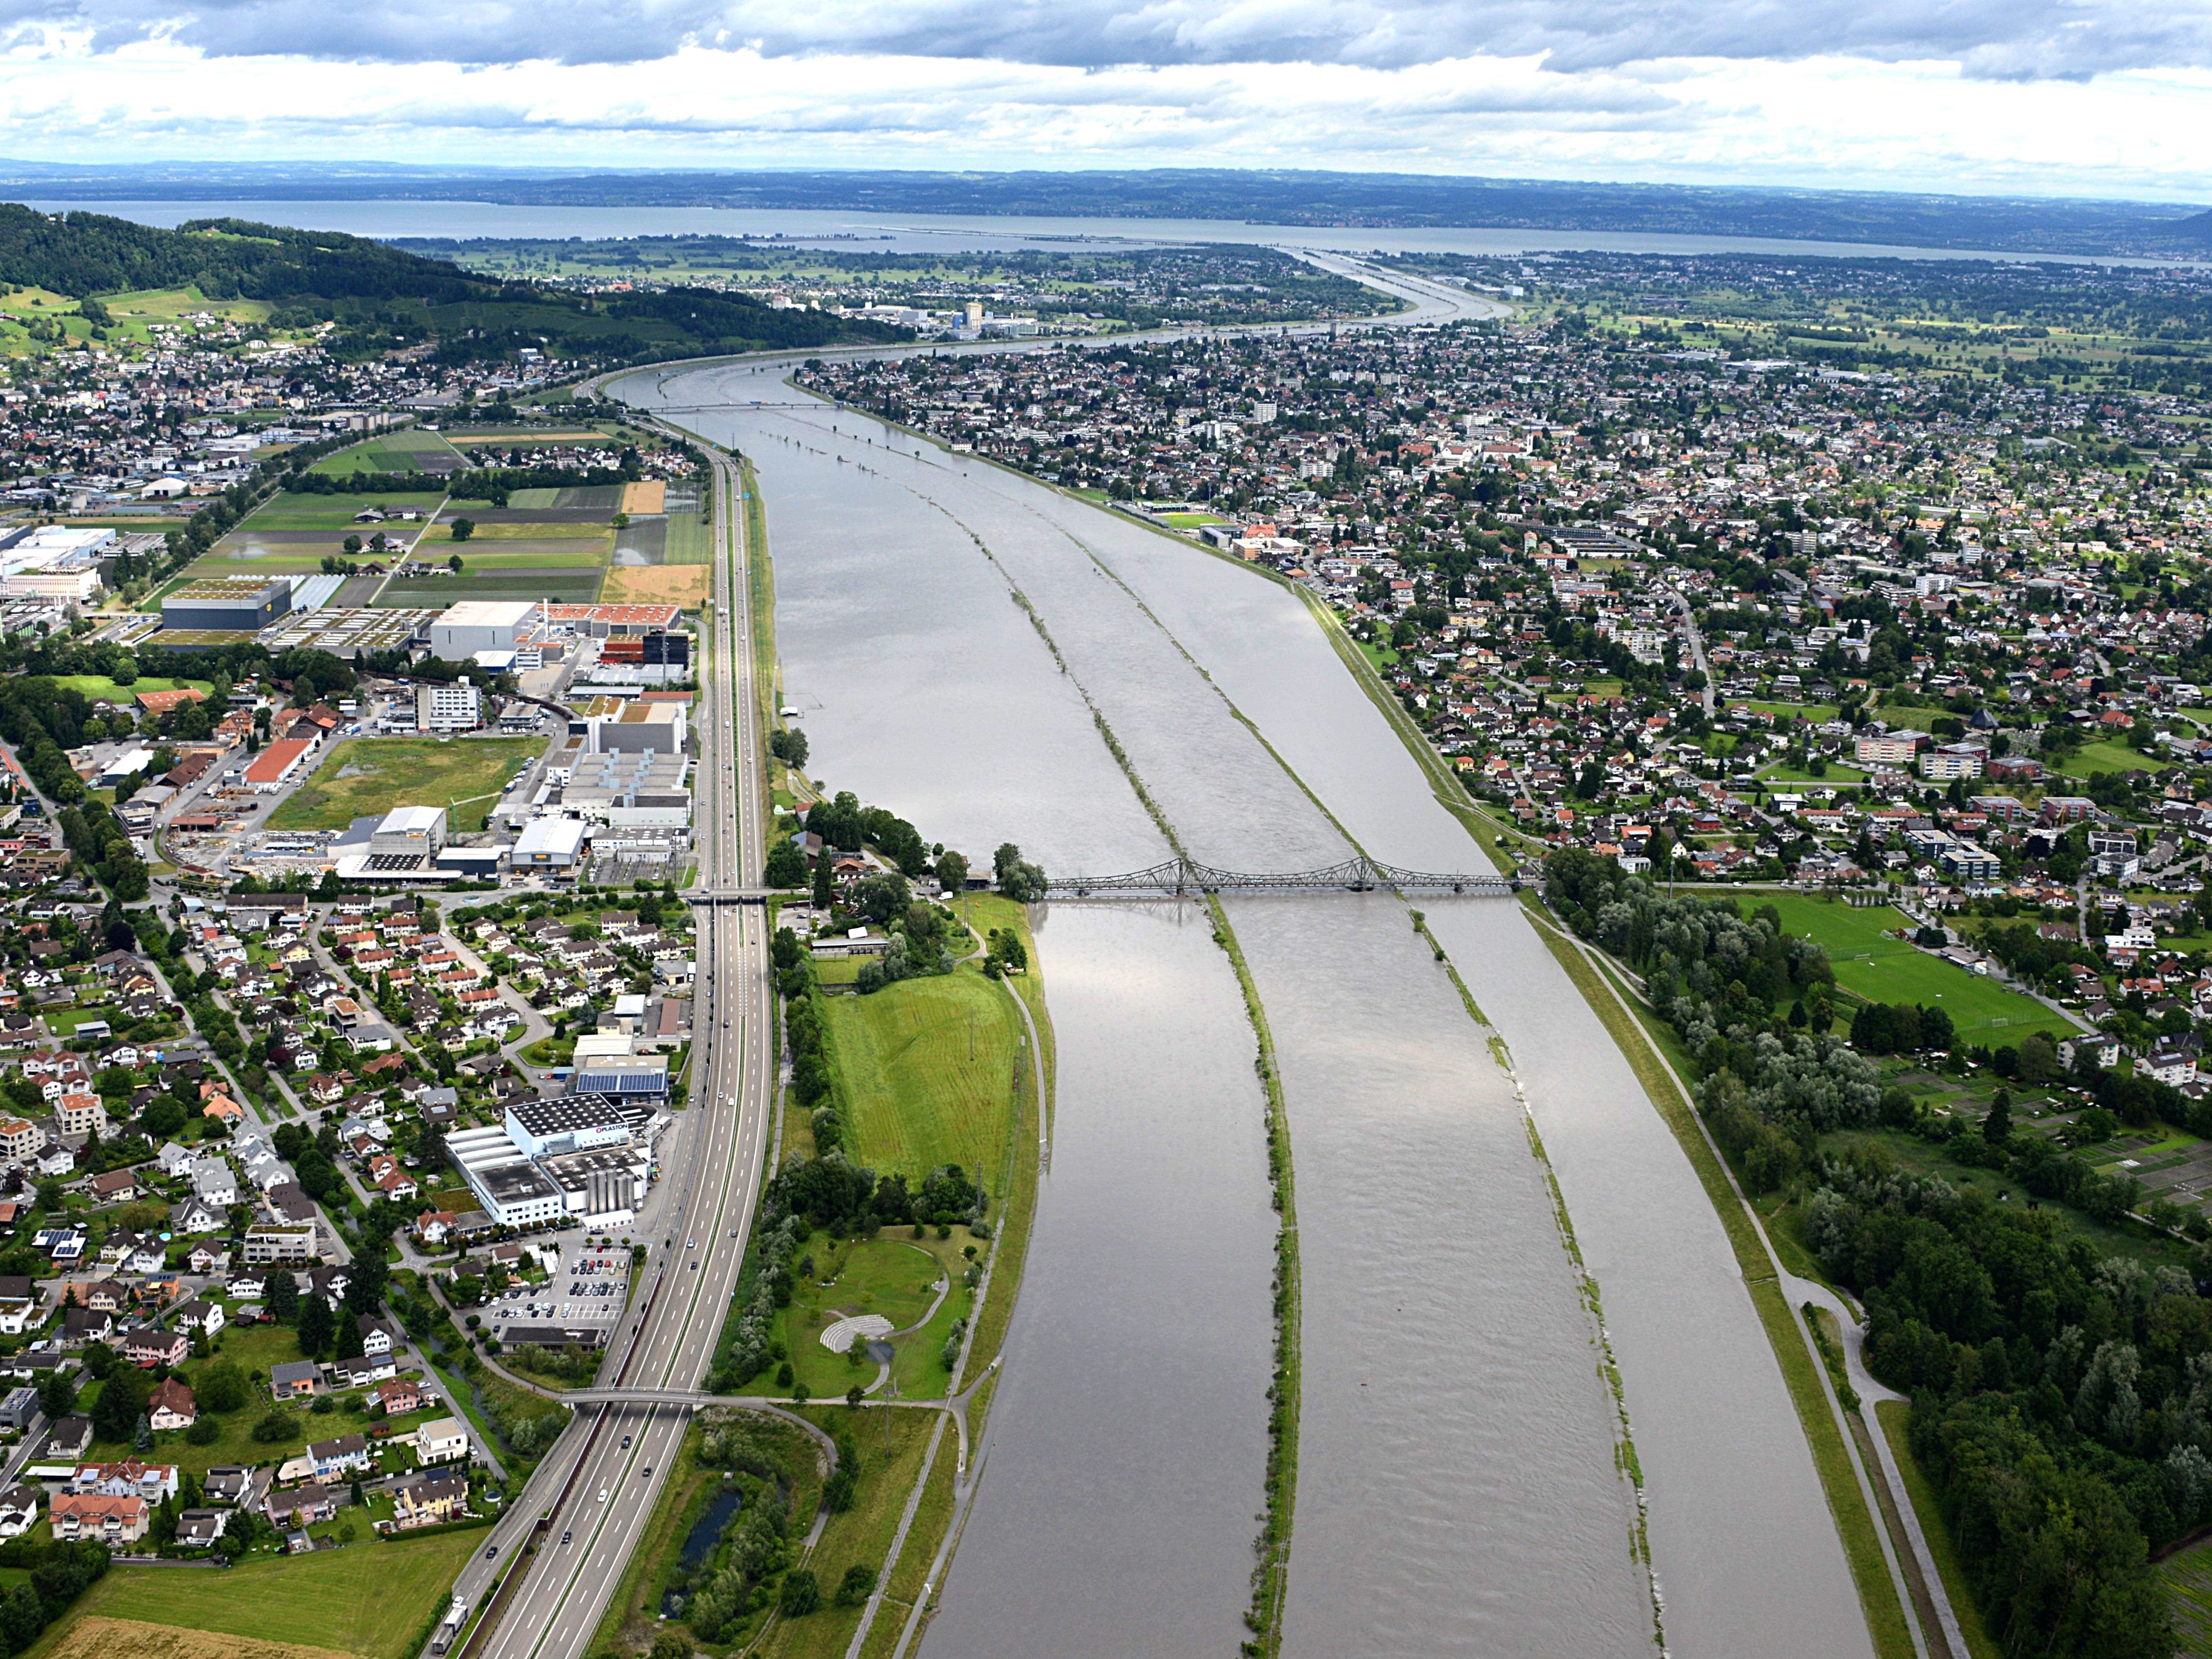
(860,230)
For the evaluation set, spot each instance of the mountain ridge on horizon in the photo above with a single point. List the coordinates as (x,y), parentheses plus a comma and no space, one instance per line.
(1304,198)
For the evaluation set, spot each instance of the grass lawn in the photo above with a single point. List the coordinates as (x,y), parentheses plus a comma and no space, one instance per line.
(1192,520)
(2105,756)
(1884,969)
(894,1274)
(364,775)
(1837,772)
(370,1600)
(925,1070)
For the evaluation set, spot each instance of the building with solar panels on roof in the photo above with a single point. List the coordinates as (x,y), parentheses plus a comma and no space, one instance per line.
(243,604)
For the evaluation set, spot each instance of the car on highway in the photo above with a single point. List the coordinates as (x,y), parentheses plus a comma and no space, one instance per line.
(603,1494)
(648,1471)
(491,1553)
(625,1445)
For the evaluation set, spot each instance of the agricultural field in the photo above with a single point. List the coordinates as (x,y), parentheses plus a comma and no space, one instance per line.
(368,1600)
(291,511)
(663,584)
(925,1070)
(570,585)
(371,775)
(1880,969)
(411,449)
(2188,1577)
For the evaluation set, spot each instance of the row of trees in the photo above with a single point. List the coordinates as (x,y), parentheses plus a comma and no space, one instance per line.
(2062,1399)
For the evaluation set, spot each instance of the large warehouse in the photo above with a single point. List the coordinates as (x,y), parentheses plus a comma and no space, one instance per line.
(474,625)
(243,605)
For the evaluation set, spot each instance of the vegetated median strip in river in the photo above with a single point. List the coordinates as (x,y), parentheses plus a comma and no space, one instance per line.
(1271,1575)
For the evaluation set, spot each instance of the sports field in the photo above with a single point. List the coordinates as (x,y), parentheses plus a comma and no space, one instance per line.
(925,1070)
(369,1599)
(1886,969)
(365,776)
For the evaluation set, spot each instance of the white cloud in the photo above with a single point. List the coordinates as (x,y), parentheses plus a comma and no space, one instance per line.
(1183,85)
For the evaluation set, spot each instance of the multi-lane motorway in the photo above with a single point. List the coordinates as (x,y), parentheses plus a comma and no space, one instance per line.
(588,1504)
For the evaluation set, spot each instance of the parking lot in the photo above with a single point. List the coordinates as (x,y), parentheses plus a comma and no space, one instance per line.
(589,1289)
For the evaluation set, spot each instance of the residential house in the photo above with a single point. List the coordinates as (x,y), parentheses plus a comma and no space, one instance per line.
(442,1440)
(425,1499)
(171,1405)
(199,1314)
(302,1506)
(150,1345)
(115,1186)
(295,1379)
(199,1530)
(330,1460)
(19,1511)
(96,1517)
(399,1397)
(240,1484)
(151,1482)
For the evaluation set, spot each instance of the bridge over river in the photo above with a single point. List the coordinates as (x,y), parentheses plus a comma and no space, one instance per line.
(1183,877)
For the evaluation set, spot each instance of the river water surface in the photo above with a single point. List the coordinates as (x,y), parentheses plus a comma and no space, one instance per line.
(1457,1492)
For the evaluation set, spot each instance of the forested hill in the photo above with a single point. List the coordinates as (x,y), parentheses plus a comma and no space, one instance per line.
(90,254)
(383,296)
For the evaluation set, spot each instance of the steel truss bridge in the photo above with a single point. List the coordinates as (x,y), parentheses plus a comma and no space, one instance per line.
(1180,878)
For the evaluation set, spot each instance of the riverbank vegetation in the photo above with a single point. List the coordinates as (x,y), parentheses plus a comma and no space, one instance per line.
(2061,1385)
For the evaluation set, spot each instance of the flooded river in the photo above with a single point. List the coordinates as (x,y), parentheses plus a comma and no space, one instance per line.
(1457,1489)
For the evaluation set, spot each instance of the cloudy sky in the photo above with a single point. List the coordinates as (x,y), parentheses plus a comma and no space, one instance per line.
(2083,97)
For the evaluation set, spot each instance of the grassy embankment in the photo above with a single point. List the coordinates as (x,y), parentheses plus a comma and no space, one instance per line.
(371,775)
(371,1600)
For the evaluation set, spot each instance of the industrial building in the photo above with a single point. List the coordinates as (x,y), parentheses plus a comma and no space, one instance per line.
(405,844)
(634,728)
(585,1156)
(474,625)
(555,846)
(549,1128)
(244,604)
(607,1064)
(53,562)
(458,707)
(274,766)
